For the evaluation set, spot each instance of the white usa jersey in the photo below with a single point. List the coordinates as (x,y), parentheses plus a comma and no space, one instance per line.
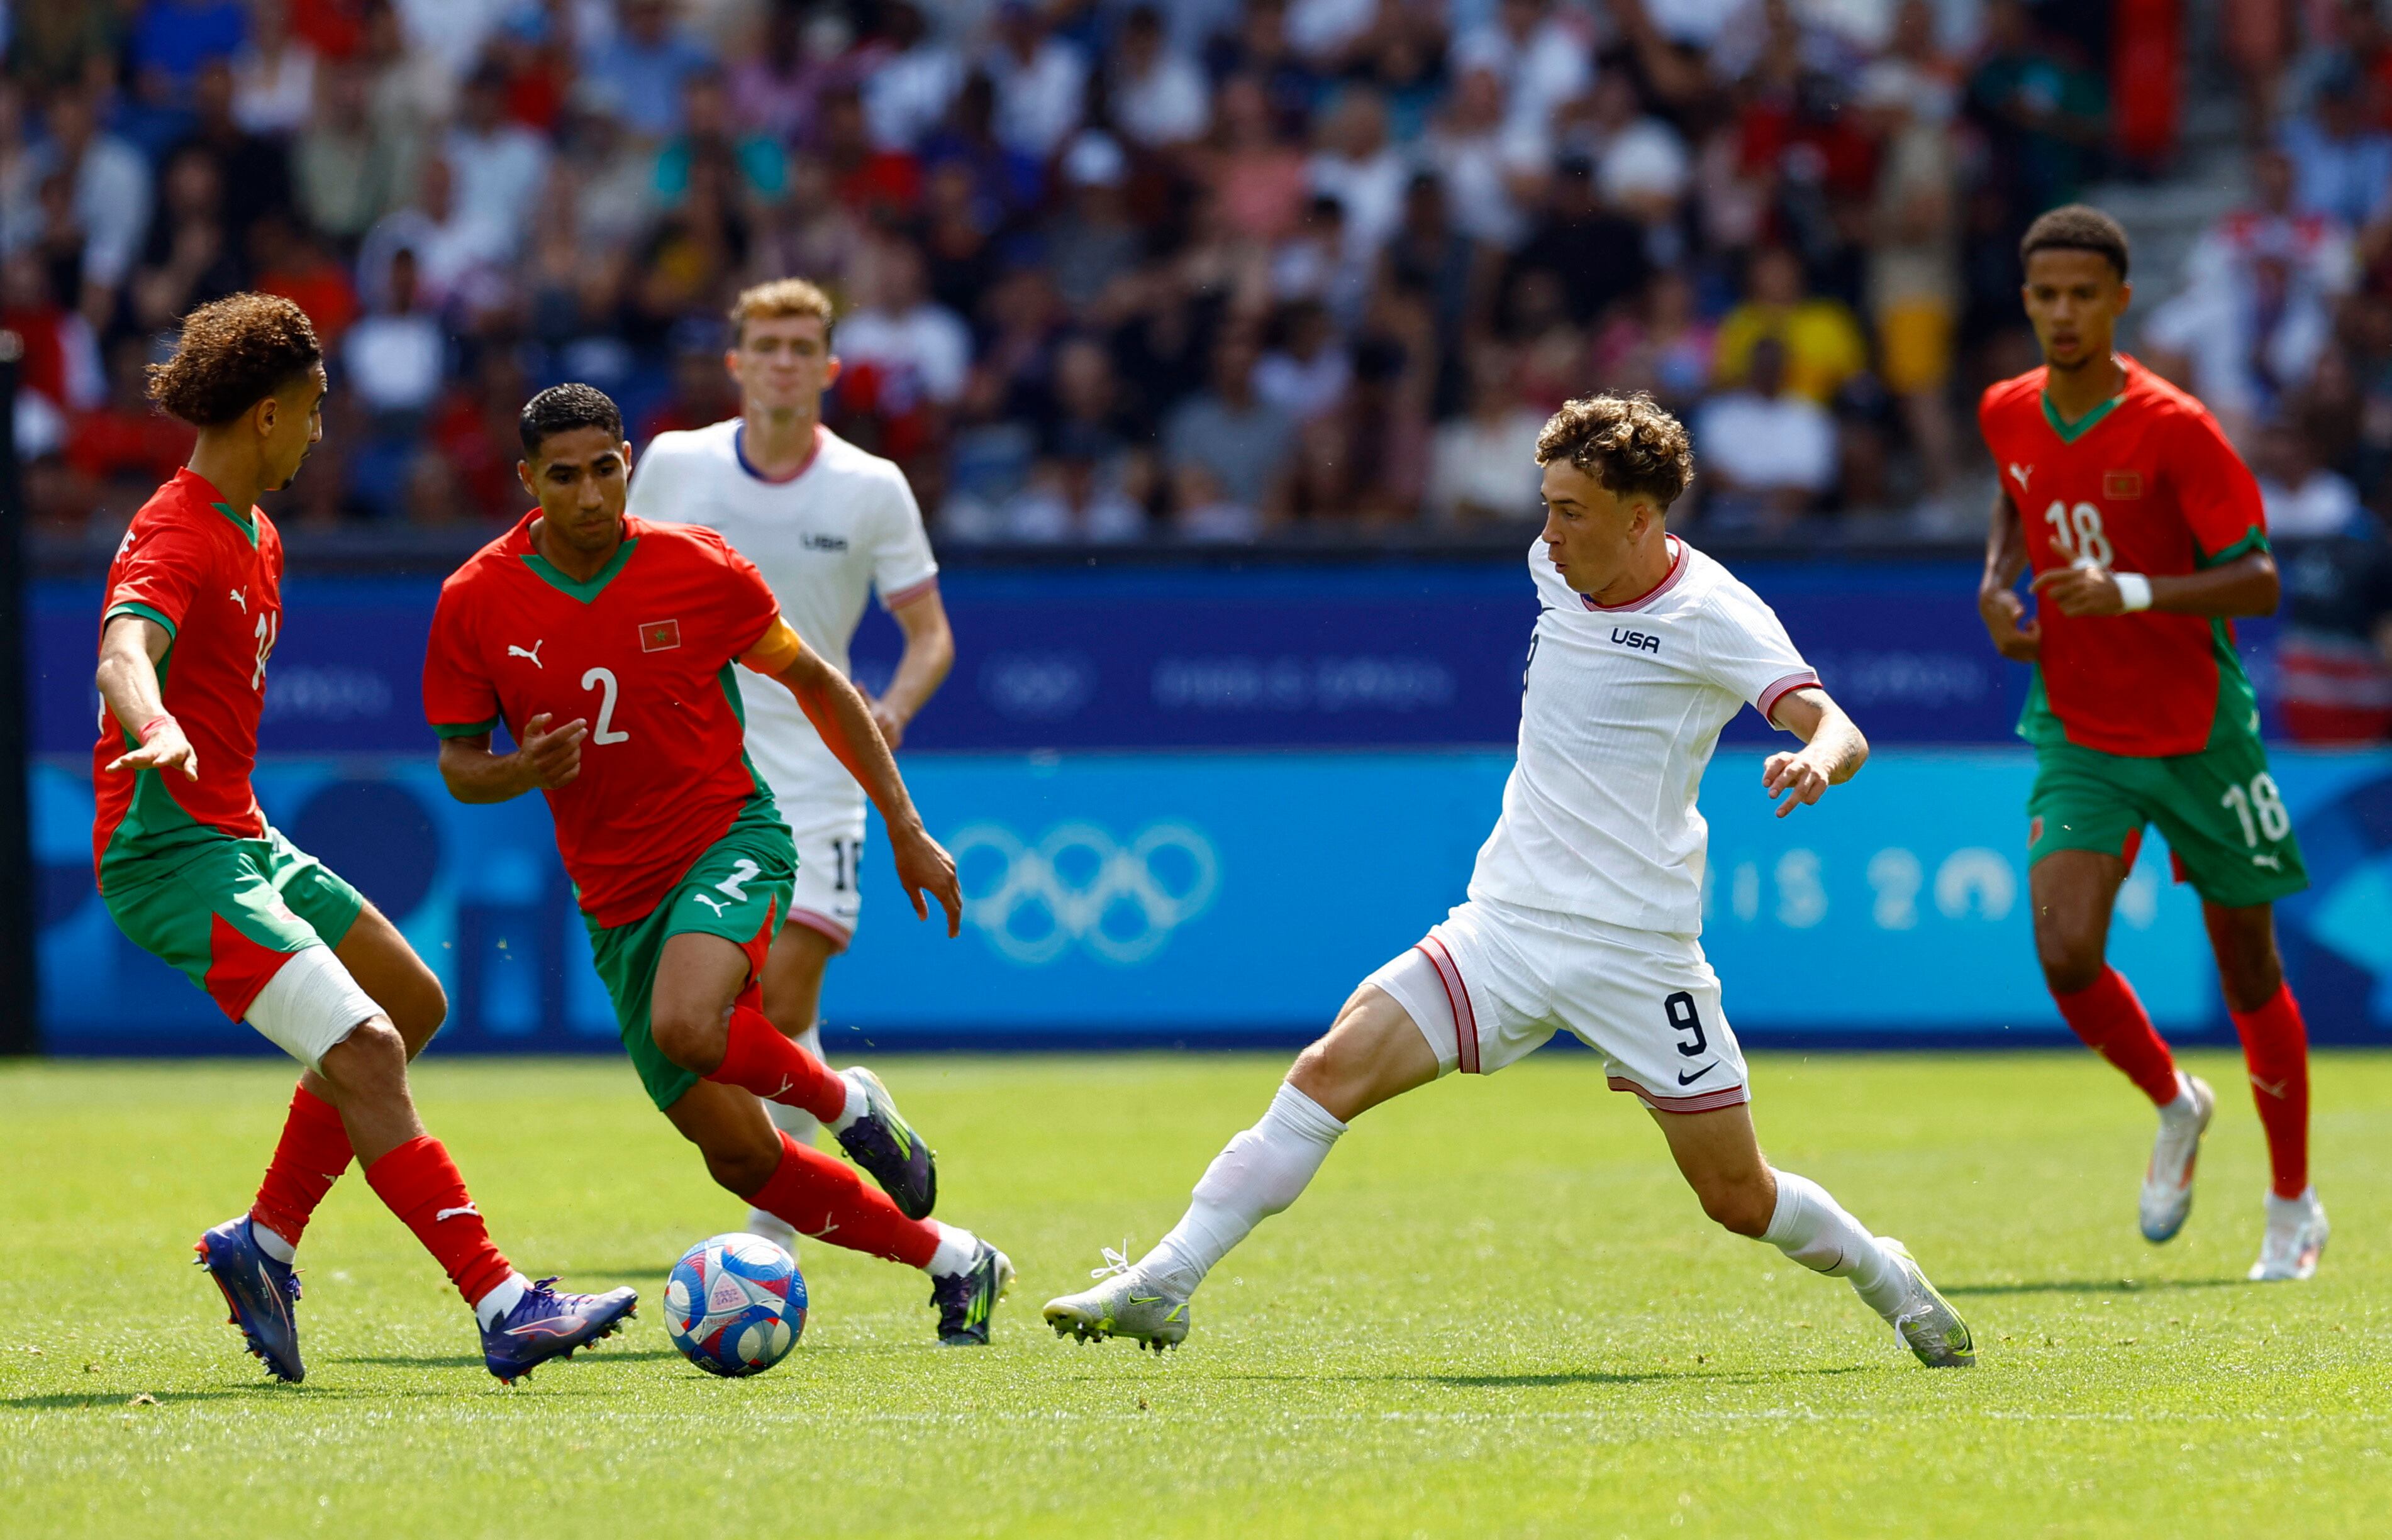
(1620,713)
(825,539)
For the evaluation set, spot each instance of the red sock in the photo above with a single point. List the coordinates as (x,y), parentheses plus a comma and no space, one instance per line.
(311,1156)
(2276,1050)
(759,1058)
(825,1199)
(421,1186)
(2111,1022)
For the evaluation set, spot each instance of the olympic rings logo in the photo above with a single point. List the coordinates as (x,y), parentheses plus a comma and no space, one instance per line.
(1077,886)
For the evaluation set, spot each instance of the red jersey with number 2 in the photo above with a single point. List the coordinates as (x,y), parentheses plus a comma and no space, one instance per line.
(214,579)
(2145,482)
(645,653)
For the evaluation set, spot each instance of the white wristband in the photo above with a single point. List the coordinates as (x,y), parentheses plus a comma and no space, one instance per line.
(2133,590)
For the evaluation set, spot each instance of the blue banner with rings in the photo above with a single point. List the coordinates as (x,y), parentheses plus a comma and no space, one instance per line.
(1389,656)
(1128,899)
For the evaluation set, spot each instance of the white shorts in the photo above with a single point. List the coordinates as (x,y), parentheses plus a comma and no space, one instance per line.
(1494,981)
(829,838)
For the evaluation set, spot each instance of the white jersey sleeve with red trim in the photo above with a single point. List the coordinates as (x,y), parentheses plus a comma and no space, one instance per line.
(1746,650)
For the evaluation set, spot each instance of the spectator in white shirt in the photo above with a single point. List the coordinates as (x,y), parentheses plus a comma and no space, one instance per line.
(392,359)
(456,260)
(1159,96)
(1483,466)
(2302,498)
(1489,171)
(274,74)
(110,189)
(1357,166)
(1541,58)
(1767,451)
(922,348)
(1042,83)
(1067,501)
(906,96)
(1308,372)
(500,166)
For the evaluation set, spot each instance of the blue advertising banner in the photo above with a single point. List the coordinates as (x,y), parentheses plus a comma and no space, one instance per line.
(1219,897)
(1393,656)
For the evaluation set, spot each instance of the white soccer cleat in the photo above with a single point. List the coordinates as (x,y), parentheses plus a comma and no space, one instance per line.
(1926,1324)
(1122,1305)
(2295,1239)
(2167,1181)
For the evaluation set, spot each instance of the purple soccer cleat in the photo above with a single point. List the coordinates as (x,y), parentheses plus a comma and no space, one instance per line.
(545,1325)
(260,1292)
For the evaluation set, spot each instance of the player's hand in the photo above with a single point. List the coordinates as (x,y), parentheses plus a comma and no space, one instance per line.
(891,722)
(1801,779)
(924,866)
(551,759)
(167,749)
(2015,637)
(2080,590)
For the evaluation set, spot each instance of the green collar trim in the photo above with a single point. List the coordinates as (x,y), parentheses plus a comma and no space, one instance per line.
(241,521)
(2071,432)
(583,589)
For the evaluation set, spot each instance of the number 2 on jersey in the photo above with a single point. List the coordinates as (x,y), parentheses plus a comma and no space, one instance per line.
(2077,532)
(603,681)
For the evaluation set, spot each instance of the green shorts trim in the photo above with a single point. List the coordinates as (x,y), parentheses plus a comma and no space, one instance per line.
(737,889)
(228,912)
(2220,810)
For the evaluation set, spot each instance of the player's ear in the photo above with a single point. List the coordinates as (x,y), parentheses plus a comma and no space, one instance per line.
(2126,295)
(731,362)
(830,371)
(523,475)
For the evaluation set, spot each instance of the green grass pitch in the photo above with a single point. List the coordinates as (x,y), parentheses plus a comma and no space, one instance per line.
(1496,1313)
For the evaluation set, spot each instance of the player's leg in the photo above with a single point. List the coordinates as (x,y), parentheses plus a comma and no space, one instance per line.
(792,979)
(817,1196)
(2086,817)
(1372,1053)
(1721,1160)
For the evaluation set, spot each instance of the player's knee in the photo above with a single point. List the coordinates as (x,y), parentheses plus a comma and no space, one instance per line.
(2250,980)
(2071,963)
(420,1016)
(691,1038)
(1742,1207)
(370,1063)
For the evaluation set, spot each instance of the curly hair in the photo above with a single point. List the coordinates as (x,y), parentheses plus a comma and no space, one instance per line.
(562,409)
(1629,443)
(234,352)
(2077,228)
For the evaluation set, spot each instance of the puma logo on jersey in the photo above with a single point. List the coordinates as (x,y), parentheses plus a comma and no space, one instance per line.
(2019,473)
(533,654)
(453,1213)
(2272,862)
(1643,641)
(239,597)
(711,903)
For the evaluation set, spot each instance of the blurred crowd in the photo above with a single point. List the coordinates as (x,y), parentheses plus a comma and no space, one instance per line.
(1210,271)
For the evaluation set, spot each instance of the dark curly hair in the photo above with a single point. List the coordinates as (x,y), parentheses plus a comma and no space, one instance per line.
(1629,443)
(2077,228)
(233,354)
(562,409)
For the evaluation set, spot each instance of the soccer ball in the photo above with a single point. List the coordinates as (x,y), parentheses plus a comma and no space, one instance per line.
(736,1305)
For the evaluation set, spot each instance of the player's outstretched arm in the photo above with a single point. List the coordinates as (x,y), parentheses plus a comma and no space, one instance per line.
(1833,749)
(548,758)
(2246,586)
(2015,637)
(843,718)
(129,650)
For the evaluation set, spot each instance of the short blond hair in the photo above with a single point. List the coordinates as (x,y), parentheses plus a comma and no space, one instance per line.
(1629,443)
(778,300)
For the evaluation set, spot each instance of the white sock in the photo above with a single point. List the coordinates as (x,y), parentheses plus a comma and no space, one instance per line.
(2184,1109)
(272,1243)
(855,1107)
(491,1307)
(956,1249)
(1261,1172)
(1812,1228)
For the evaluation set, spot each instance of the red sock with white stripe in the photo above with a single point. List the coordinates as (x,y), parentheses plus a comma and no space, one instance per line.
(421,1185)
(1259,1173)
(2111,1022)
(823,1199)
(311,1155)
(2276,1052)
(757,1057)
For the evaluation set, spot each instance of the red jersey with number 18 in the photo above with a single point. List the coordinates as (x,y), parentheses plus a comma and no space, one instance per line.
(214,579)
(2144,483)
(644,650)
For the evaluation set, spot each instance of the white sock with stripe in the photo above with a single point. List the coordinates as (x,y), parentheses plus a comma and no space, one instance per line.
(801,1125)
(1260,1172)
(1811,1227)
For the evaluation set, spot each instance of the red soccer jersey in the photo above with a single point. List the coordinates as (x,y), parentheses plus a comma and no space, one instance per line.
(214,579)
(644,652)
(2144,483)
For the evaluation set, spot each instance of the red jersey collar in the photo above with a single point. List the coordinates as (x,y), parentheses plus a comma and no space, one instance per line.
(1677,570)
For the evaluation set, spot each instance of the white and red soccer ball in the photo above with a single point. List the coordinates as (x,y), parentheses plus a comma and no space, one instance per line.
(736,1305)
